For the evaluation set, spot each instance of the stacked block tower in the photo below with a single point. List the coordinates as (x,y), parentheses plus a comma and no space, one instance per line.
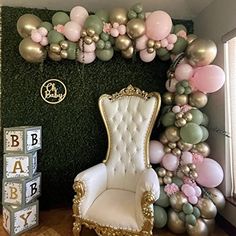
(21,183)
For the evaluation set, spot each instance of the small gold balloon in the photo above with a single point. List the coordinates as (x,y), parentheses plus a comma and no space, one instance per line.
(83,33)
(150,50)
(95,38)
(198,99)
(201,148)
(181,99)
(119,15)
(175,224)
(182,122)
(191,38)
(167,149)
(54,56)
(161,172)
(168,98)
(172,134)
(185,169)
(200,229)
(163,139)
(172,145)
(161,181)
(157,45)
(64,44)
(177,200)
(184,146)
(169,173)
(31,51)
(88,40)
(167,180)
(150,43)
(26,23)
(210,223)
(201,52)
(179,115)
(90,32)
(176,152)
(217,197)
(64,54)
(135,28)
(193,174)
(54,47)
(128,53)
(180,174)
(188,116)
(123,42)
(207,208)
(192,166)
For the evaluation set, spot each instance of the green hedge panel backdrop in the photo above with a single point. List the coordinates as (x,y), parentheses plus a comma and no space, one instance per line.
(74,137)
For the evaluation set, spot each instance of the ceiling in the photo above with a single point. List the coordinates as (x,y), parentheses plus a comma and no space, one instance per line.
(179,9)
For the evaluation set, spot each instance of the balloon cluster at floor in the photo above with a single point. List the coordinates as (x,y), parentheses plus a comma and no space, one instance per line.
(189,199)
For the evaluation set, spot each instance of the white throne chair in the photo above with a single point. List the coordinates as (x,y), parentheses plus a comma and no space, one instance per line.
(116,196)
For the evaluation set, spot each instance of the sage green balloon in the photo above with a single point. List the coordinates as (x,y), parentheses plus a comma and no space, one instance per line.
(161,52)
(178,28)
(168,119)
(104,36)
(191,133)
(197,116)
(160,217)
(107,45)
(205,133)
(163,200)
(105,54)
(100,44)
(141,15)
(95,23)
(205,120)
(138,7)
(60,18)
(55,37)
(71,51)
(166,57)
(179,46)
(182,215)
(103,15)
(176,180)
(196,212)
(132,14)
(46,25)
(191,219)
(187,208)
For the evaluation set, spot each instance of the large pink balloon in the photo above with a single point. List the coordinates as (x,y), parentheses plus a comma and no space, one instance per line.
(146,56)
(87,47)
(208,79)
(86,57)
(141,42)
(210,173)
(79,15)
(170,162)
(183,72)
(158,25)
(72,31)
(156,151)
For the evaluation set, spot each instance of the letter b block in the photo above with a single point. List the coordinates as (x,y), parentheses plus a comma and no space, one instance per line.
(23,139)
(21,192)
(18,220)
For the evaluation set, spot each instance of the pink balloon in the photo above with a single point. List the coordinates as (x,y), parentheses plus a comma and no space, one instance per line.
(114,32)
(122,29)
(176,109)
(198,191)
(170,162)
(193,200)
(183,72)
(189,191)
(146,56)
(164,43)
(43,31)
(186,158)
(86,57)
(79,14)
(210,173)
(36,36)
(44,41)
(87,47)
(208,79)
(170,46)
(141,42)
(158,25)
(72,31)
(171,85)
(156,151)
(172,38)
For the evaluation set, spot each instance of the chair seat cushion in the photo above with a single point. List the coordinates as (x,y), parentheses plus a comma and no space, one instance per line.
(114,208)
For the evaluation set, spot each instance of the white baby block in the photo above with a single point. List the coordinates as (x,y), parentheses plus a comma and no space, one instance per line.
(19,166)
(23,139)
(19,192)
(18,220)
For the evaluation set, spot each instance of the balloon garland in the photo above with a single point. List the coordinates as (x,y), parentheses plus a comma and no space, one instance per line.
(188,196)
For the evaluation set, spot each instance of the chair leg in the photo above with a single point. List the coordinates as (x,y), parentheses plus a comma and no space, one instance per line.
(77,228)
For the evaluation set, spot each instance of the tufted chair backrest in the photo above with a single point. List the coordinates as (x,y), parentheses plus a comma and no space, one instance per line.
(129,117)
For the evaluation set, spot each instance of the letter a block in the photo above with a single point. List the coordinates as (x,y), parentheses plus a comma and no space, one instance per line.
(20,166)
(22,140)
(18,220)
(21,192)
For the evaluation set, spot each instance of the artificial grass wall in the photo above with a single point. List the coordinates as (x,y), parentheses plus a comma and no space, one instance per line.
(74,136)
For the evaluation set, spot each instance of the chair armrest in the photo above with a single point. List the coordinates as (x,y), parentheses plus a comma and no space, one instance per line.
(89,184)
(147,192)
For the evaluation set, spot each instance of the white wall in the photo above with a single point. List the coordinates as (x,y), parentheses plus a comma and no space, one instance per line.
(216,20)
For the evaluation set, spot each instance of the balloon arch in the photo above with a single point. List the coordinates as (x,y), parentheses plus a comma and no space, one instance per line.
(188,197)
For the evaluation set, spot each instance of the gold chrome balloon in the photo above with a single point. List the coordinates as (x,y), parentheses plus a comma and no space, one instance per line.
(175,224)
(181,99)
(90,32)
(207,208)
(210,223)
(191,38)
(128,53)
(123,42)
(198,99)
(119,15)
(184,146)
(201,148)
(172,145)
(157,45)
(177,200)
(201,52)
(176,152)
(54,47)
(54,56)
(150,43)
(188,116)
(163,139)
(135,28)
(150,50)
(217,197)
(26,23)
(64,54)
(200,229)
(64,44)
(161,172)
(31,51)
(88,40)
(95,38)
(172,134)
(167,180)
(168,98)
